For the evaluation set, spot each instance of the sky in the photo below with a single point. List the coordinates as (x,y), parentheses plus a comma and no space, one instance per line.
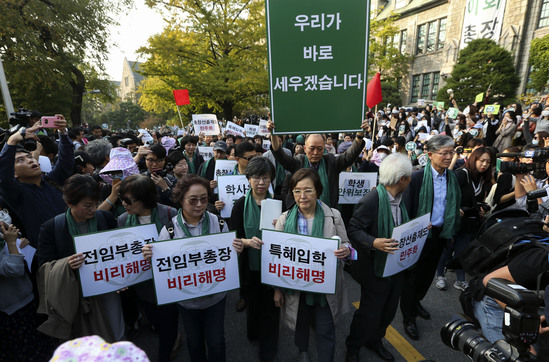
(135,28)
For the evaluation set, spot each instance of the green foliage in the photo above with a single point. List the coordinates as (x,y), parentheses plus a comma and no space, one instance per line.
(539,60)
(218,52)
(123,115)
(47,46)
(480,64)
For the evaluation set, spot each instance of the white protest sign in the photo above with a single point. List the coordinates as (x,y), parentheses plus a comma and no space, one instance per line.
(234,129)
(266,145)
(452,112)
(113,259)
(222,168)
(482,19)
(251,129)
(230,189)
(206,152)
(271,209)
(421,102)
(423,136)
(411,239)
(354,185)
(263,131)
(298,262)
(194,267)
(206,123)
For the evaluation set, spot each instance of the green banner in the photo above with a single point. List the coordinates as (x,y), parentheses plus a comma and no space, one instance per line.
(317,64)
(439,105)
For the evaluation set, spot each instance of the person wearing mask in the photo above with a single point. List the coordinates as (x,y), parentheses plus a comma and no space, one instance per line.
(506,131)
(311,216)
(203,318)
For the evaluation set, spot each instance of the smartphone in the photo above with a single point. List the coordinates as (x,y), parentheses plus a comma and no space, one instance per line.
(49,122)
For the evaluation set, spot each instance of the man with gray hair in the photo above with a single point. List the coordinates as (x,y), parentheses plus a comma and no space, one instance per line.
(370,231)
(434,190)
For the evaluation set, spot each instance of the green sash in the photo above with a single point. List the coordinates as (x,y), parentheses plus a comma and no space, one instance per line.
(133,220)
(252,216)
(190,163)
(452,218)
(205,224)
(280,175)
(325,197)
(73,228)
(205,168)
(385,226)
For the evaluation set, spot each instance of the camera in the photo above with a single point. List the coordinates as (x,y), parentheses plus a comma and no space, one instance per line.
(537,167)
(520,326)
(18,120)
(166,170)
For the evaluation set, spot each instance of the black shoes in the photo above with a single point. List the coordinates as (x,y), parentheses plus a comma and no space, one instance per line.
(411,330)
(422,312)
(351,356)
(382,352)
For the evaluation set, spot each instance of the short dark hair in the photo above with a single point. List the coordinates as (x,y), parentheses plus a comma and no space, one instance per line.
(142,188)
(258,148)
(159,151)
(78,187)
(49,145)
(176,156)
(74,132)
(242,148)
(229,136)
(259,166)
(81,159)
(96,127)
(188,139)
(185,184)
(304,173)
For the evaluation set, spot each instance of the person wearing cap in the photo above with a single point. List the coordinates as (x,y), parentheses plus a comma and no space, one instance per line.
(24,189)
(327,165)
(207,169)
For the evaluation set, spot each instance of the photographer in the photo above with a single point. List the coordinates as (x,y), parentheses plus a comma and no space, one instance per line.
(156,162)
(29,194)
(529,182)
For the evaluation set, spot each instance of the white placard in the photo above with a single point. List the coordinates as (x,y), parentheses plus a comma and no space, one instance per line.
(271,209)
(266,145)
(222,168)
(194,267)
(206,152)
(411,239)
(483,19)
(231,188)
(354,185)
(27,252)
(234,129)
(263,130)
(251,129)
(299,262)
(423,136)
(205,123)
(113,258)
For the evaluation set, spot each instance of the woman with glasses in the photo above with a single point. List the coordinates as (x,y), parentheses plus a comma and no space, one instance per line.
(203,318)
(138,196)
(165,182)
(262,314)
(55,243)
(310,216)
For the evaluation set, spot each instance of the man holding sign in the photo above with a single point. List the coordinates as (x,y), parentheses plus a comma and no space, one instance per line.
(370,231)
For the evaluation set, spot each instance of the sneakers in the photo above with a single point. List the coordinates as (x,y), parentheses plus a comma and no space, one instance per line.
(441,283)
(461,285)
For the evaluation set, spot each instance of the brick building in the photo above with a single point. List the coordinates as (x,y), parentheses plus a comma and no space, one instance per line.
(433,31)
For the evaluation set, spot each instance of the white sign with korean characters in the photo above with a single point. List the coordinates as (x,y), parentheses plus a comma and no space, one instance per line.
(251,129)
(205,123)
(483,19)
(231,188)
(234,129)
(354,185)
(194,267)
(113,258)
(411,239)
(263,130)
(222,168)
(205,152)
(299,262)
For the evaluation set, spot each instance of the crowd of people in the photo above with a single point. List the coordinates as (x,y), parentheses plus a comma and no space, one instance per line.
(79,181)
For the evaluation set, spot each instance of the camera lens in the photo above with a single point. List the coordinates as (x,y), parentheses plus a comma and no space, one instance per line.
(462,335)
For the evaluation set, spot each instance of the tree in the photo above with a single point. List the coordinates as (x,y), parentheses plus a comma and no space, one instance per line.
(481,64)
(218,52)
(539,60)
(47,47)
(125,115)
(385,57)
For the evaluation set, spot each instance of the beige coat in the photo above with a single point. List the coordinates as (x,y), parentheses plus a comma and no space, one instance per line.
(339,302)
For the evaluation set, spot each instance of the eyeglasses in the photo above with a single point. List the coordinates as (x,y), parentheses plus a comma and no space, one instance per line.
(446,154)
(246,158)
(265,179)
(306,192)
(154,160)
(194,201)
(126,200)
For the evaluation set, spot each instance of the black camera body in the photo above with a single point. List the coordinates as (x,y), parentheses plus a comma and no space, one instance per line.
(520,326)
(18,120)
(537,167)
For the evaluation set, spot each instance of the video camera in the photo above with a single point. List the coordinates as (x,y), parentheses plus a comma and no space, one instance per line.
(537,167)
(520,326)
(18,120)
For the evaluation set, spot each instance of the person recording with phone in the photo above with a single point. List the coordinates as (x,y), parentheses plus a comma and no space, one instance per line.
(165,182)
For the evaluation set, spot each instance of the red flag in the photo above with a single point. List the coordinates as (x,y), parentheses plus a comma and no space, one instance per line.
(373,92)
(181,96)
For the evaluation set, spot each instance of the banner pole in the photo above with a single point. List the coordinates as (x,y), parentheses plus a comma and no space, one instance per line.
(180,119)
(374,133)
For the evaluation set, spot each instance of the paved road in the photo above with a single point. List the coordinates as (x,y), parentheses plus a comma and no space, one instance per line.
(441,305)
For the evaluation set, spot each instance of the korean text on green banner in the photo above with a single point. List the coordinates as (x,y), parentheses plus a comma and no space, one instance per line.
(318,61)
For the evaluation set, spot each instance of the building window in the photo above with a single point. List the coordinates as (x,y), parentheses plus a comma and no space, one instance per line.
(396,40)
(415,88)
(126,81)
(441,33)
(544,15)
(425,86)
(403,40)
(434,90)
(421,30)
(431,36)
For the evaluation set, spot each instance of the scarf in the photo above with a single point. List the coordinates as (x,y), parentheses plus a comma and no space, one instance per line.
(205,224)
(205,168)
(452,219)
(133,220)
(235,170)
(325,197)
(280,175)
(291,226)
(385,226)
(73,227)
(190,163)
(252,215)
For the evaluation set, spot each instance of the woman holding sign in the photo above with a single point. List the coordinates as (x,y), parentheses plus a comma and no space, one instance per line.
(204,317)
(310,216)
(262,314)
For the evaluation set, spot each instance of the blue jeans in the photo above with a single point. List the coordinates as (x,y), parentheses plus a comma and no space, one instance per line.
(490,316)
(205,325)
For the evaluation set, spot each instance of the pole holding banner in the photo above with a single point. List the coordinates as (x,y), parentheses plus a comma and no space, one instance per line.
(5,91)
(181,97)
